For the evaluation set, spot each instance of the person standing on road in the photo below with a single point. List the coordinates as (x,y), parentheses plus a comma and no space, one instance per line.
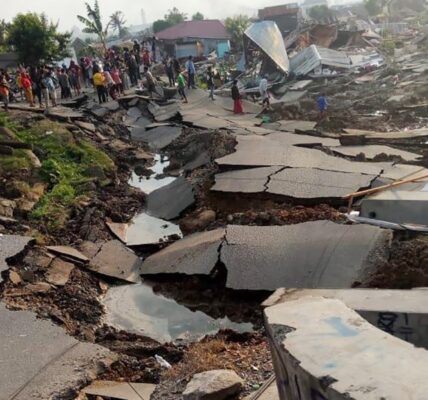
(4,92)
(99,83)
(263,89)
(151,87)
(237,99)
(191,72)
(27,85)
(322,106)
(64,83)
(169,68)
(210,82)
(181,87)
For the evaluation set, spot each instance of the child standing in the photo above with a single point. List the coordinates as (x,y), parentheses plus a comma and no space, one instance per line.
(4,92)
(181,85)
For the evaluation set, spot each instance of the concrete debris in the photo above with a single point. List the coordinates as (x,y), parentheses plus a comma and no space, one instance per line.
(402,307)
(145,230)
(268,391)
(195,254)
(116,261)
(217,384)
(68,252)
(49,363)
(11,246)
(120,390)
(324,342)
(171,200)
(87,126)
(59,272)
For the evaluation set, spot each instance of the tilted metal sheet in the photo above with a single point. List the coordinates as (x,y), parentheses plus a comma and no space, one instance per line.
(313,56)
(267,36)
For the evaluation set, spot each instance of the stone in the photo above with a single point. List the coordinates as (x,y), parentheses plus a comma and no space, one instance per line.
(15,278)
(59,272)
(87,126)
(7,207)
(213,385)
(10,246)
(200,221)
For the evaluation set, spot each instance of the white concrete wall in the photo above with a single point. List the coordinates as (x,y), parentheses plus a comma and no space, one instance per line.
(324,350)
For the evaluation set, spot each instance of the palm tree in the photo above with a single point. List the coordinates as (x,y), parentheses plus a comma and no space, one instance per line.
(117,21)
(93,23)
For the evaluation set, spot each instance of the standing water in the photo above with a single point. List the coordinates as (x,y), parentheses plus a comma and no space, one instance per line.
(137,309)
(153,182)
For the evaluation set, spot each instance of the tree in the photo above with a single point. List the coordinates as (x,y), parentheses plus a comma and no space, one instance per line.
(320,13)
(198,17)
(117,21)
(37,40)
(175,17)
(93,23)
(160,25)
(236,27)
(4,27)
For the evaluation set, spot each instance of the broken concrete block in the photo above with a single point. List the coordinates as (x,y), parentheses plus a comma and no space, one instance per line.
(68,252)
(195,254)
(333,353)
(59,272)
(117,261)
(120,390)
(218,384)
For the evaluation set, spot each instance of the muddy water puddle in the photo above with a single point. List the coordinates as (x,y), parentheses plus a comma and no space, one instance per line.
(137,309)
(154,181)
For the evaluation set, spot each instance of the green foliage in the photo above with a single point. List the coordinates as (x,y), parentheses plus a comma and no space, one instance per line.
(373,7)
(173,17)
(160,25)
(118,22)
(93,23)
(236,27)
(64,165)
(198,17)
(320,13)
(36,40)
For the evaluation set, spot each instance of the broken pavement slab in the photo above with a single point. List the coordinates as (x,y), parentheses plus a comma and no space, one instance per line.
(281,150)
(195,254)
(68,251)
(117,261)
(306,183)
(120,390)
(145,230)
(372,151)
(11,246)
(171,200)
(157,138)
(251,180)
(340,255)
(40,361)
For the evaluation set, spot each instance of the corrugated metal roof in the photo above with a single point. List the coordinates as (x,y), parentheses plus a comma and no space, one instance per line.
(206,29)
(313,56)
(275,11)
(267,36)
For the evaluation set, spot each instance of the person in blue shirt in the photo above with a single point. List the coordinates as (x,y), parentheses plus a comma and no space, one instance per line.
(191,72)
(322,106)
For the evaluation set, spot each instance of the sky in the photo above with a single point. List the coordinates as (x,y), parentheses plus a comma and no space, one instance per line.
(65,11)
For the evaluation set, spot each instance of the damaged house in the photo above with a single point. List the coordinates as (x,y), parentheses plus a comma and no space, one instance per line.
(195,38)
(319,61)
(287,17)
